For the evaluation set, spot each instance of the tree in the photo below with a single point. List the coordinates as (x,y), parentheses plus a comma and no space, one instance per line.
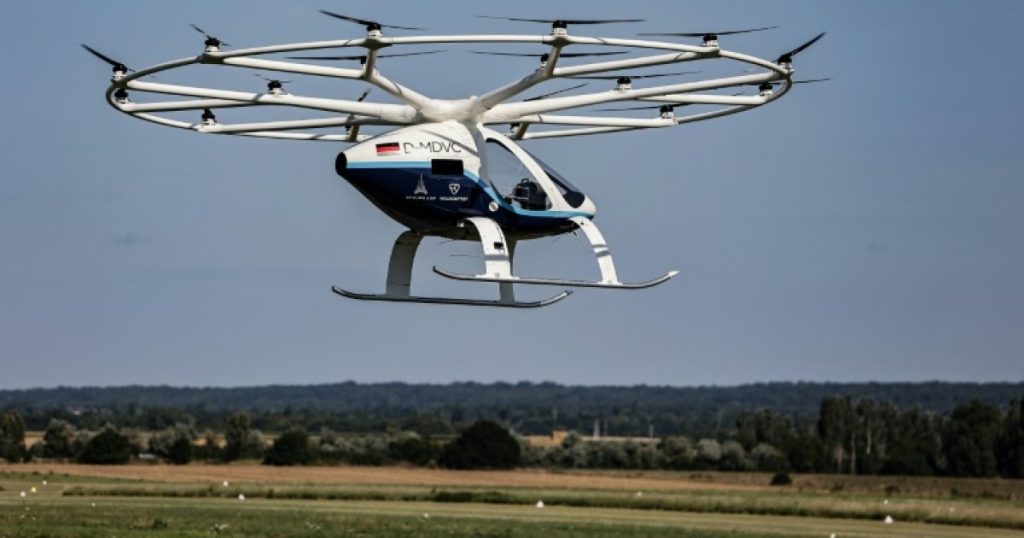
(916,447)
(768,458)
(677,452)
(709,452)
(734,458)
(291,448)
(805,453)
(835,428)
(209,448)
(109,447)
(59,440)
(181,451)
(1010,449)
(484,445)
(173,444)
(970,439)
(12,437)
(413,449)
(236,436)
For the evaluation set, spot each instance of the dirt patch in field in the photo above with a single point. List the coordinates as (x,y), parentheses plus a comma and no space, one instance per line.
(378,475)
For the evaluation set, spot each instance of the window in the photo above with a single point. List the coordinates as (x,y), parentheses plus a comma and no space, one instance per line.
(504,169)
(572,195)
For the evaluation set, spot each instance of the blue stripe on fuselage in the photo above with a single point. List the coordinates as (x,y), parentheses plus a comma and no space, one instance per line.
(486,186)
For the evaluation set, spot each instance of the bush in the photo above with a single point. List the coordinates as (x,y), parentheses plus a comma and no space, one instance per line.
(109,447)
(412,449)
(781,479)
(291,448)
(484,445)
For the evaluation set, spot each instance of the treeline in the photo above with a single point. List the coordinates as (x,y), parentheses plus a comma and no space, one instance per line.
(528,408)
(848,435)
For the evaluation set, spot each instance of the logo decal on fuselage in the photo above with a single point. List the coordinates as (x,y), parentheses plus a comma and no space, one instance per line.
(421,194)
(421,188)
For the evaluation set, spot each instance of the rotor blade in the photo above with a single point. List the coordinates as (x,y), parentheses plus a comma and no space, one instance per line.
(585,54)
(801,48)
(365,22)
(702,34)
(804,81)
(200,30)
(102,56)
(674,105)
(208,36)
(524,55)
(563,55)
(268,79)
(566,21)
(330,58)
(438,51)
(546,95)
(616,77)
(361,56)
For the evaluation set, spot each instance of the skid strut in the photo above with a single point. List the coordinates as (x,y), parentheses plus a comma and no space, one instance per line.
(497,267)
(398,287)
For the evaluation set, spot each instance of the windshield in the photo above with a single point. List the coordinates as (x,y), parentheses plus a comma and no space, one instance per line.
(505,170)
(571,194)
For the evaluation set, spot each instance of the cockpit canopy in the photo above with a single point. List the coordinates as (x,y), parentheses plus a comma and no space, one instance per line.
(513,179)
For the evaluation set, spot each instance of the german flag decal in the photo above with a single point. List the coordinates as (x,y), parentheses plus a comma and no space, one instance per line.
(390,148)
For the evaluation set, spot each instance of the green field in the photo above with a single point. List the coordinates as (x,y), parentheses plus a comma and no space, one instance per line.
(76,505)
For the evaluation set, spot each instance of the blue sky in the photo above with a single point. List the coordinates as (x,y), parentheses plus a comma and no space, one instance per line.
(864,229)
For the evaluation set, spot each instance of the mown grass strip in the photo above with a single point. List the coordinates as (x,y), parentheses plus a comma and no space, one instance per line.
(676,503)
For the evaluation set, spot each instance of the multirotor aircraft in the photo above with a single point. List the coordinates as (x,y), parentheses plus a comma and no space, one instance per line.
(438,172)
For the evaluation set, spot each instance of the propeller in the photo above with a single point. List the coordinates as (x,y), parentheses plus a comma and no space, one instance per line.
(562,23)
(273,84)
(768,86)
(370,25)
(118,66)
(805,81)
(211,41)
(633,77)
(787,57)
(670,107)
(649,107)
(348,129)
(709,36)
(544,57)
(546,95)
(362,57)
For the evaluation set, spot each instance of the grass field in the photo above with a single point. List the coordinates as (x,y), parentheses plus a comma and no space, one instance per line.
(161,500)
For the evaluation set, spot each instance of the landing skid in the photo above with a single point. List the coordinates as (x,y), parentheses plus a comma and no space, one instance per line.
(558,282)
(449,300)
(498,254)
(498,266)
(400,278)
